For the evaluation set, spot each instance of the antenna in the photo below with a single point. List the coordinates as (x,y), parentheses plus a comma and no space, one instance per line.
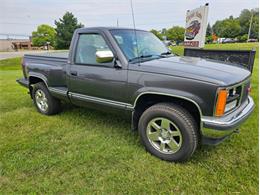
(133,17)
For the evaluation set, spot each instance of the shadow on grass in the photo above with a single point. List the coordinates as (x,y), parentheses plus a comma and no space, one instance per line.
(122,127)
(120,123)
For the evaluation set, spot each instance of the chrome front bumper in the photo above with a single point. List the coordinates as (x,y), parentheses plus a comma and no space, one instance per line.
(220,127)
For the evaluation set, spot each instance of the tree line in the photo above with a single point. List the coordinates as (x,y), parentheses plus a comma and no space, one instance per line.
(60,36)
(227,28)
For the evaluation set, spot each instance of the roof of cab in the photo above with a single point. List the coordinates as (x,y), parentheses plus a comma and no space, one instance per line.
(80,30)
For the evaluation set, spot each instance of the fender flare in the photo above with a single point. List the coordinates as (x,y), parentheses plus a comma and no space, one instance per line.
(169,95)
(38,75)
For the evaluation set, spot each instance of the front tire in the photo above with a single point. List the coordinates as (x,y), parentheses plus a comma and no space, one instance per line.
(169,132)
(44,101)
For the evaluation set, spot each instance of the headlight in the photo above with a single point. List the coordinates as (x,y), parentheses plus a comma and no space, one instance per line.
(228,99)
(231,105)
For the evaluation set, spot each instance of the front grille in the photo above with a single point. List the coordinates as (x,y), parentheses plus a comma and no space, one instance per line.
(236,95)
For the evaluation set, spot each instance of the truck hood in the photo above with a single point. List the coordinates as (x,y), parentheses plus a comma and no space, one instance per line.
(216,72)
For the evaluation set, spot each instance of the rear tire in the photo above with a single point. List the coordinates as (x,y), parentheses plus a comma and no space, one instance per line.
(44,101)
(169,132)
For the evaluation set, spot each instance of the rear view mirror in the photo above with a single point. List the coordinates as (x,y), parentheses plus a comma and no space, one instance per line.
(104,56)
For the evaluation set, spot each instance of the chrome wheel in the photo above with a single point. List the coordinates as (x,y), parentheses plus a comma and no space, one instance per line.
(164,135)
(41,100)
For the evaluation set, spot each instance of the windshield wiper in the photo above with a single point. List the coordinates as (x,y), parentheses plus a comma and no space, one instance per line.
(140,57)
(162,55)
(166,53)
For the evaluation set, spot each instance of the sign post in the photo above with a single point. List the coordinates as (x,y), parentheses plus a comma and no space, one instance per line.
(196,27)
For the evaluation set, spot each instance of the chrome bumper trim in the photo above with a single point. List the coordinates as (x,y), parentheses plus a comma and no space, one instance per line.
(231,120)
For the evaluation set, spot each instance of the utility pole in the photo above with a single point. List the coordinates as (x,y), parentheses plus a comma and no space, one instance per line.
(117,23)
(250,26)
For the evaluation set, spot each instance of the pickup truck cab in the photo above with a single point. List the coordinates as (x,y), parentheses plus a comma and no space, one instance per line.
(174,102)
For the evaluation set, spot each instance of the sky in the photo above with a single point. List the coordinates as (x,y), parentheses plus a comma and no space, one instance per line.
(23,16)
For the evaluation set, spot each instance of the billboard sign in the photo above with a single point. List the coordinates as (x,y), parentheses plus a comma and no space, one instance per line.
(196,26)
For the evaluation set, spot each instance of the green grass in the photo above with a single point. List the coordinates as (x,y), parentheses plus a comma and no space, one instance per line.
(10,64)
(82,151)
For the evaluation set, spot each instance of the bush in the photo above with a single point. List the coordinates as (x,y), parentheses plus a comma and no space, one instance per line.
(242,38)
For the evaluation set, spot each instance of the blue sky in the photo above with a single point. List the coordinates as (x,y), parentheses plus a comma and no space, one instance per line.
(23,16)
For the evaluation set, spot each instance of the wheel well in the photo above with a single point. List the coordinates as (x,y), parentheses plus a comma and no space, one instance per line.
(148,100)
(33,80)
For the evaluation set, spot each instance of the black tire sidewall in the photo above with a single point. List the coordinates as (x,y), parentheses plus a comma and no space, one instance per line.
(188,142)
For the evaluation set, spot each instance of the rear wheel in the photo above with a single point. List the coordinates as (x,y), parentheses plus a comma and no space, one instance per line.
(44,101)
(169,132)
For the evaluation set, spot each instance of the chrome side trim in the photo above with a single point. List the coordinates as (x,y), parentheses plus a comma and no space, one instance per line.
(59,91)
(100,100)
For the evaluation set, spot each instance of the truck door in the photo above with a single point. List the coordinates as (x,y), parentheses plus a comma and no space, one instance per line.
(94,83)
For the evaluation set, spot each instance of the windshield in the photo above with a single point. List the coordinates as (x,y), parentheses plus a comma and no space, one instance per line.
(139,44)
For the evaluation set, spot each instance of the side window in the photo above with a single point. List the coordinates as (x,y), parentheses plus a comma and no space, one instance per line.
(88,45)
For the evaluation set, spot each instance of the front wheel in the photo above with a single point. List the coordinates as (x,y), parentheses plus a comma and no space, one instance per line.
(169,132)
(44,101)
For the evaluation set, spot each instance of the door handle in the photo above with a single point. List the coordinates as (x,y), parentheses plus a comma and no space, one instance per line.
(74,73)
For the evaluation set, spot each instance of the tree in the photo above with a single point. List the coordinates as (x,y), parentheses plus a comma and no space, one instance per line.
(43,34)
(65,28)
(244,20)
(238,27)
(242,38)
(157,33)
(163,32)
(209,30)
(229,28)
(176,33)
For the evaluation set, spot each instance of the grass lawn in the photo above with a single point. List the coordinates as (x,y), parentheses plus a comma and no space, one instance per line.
(82,151)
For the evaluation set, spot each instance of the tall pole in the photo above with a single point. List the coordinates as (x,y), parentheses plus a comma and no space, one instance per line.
(117,23)
(250,26)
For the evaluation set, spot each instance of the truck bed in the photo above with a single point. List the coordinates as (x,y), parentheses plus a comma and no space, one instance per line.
(52,65)
(59,55)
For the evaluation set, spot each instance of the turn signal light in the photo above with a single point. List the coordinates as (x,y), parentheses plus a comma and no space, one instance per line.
(221,103)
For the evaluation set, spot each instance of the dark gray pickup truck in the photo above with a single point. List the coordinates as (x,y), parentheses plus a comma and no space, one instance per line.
(174,102)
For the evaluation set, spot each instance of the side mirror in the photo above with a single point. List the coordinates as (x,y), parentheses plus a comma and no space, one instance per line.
(104,56)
